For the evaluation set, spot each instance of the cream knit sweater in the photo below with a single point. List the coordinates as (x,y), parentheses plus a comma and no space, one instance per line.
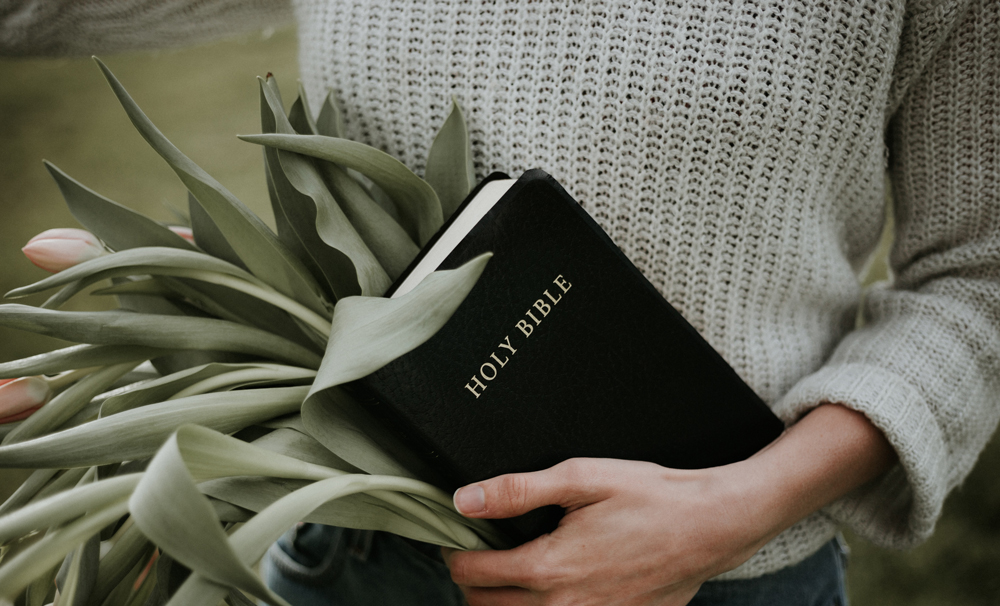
(736,151)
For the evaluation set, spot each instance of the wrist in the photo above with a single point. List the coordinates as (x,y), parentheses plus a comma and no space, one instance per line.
(830,452)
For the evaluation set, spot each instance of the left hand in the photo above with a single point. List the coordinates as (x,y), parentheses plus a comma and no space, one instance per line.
(633,533)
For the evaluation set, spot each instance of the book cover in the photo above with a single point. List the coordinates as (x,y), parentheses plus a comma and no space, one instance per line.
(563,349)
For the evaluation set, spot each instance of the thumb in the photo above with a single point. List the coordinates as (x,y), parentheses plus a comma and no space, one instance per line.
(567,485)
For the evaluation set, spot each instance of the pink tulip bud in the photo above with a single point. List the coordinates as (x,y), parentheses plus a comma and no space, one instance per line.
(184,232)
(19,396)
(57,249)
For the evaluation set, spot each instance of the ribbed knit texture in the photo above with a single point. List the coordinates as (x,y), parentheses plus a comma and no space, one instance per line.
(736,152)
(86,27)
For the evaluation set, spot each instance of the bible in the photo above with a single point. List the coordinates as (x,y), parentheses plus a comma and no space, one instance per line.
(562,349)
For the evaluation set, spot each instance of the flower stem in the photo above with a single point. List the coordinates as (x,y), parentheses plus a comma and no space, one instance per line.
(270,372)
(264,293)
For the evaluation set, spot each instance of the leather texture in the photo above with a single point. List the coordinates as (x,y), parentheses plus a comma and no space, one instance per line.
(609,370)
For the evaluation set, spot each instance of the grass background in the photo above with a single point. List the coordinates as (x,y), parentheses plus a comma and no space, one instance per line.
(62,110)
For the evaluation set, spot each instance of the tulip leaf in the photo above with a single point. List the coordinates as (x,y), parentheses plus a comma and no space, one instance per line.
(34,561)
(294,443)
(253,538)
(330,122)
(66,480)
(77,356)
(300,116)
(304,203)
(237,306)
(387,240)
(168,508)
(330,418)
(27,490)
(370,332)
(319,216)
(119,227)
(136,434)
(275,179)
(167,332)
(129,554)
(81,573)
(61,408)
(207,235)
(418,204)
(151,260)
(253,241)
(449,162)
(41,591)
(162,388)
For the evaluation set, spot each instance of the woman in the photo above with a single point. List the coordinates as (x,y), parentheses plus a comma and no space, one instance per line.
(736,153)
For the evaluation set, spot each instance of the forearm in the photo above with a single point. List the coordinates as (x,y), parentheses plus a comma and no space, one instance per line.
(828,453)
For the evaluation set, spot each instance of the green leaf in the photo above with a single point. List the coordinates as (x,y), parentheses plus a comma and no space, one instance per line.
(318,220)
(77,356)
(293,443)
(135,434)
(330,122)
(163,388)
(68,479)
(252,240)
(36,560)
(168,508)
(66,506)
(61,408)
(236,306)
(331,418)
(418,204)
(41,591)
(300,116)
(387,240)
(166,332)
(150,287)
(449,162)
(361,511)
(119,227)
(27,490)
(276,180)
(129,555)
(207,235)
(299,211)
(81,573)
(150,260)
(370,332)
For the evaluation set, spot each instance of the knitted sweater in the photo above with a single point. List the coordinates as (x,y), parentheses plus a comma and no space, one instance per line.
(736,152)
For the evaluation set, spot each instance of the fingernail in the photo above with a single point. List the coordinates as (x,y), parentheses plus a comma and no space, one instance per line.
(471,499)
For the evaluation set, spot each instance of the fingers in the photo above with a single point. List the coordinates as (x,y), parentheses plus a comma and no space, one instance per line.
(571,483)
(510,568)
(498,596)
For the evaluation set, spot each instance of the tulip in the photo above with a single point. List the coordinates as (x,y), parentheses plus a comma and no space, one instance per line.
(21,397)
(184,232)
(57,249)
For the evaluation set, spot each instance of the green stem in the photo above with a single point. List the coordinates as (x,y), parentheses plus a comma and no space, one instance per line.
(274,372)
(264,293)
(64,380)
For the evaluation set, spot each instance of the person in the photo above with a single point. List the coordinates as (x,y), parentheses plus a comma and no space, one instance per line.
(736,152)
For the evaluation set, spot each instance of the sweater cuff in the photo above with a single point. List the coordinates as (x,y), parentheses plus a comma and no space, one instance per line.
(899,508)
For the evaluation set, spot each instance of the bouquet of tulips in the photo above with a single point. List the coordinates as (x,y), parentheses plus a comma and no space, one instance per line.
(193,425)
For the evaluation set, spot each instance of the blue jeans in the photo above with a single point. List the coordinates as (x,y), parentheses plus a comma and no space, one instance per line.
(315,565)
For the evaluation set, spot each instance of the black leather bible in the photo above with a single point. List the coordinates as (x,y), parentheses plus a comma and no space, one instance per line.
(563,349)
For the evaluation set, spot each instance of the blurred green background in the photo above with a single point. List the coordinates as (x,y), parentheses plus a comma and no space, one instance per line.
(62,110)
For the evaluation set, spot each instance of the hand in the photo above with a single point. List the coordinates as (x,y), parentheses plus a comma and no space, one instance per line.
(633,533)
(637,533)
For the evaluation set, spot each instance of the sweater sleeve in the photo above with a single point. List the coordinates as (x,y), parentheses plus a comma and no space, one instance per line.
(81,27)
(926,367)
